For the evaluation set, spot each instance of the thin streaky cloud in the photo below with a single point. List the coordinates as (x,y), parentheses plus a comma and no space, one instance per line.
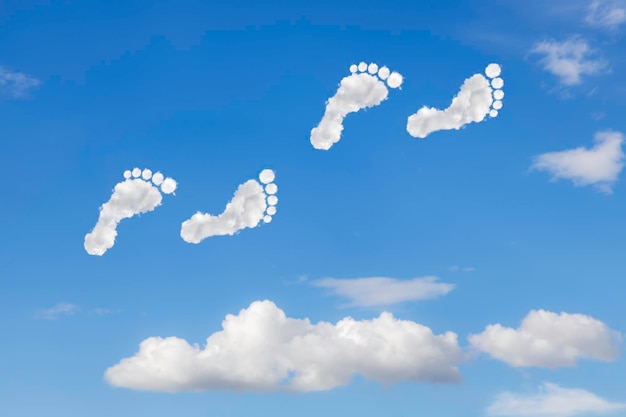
(457,268)
(57,311)
(552,400)
(384,291)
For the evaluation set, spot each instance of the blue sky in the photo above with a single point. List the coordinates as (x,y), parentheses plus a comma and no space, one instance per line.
(212,94)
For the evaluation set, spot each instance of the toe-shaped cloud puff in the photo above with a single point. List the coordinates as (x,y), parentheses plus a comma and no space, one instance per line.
(261,349)
(598,166)
(549,340)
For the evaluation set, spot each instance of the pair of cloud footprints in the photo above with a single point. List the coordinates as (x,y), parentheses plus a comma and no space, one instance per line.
(366,87)
(141,192)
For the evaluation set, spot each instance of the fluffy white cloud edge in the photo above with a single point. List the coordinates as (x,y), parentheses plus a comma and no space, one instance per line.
(383,291)
(598,166)
(552,401)
(549,340)
(261,349)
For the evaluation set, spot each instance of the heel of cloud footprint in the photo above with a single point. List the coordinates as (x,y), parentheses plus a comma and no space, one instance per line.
(365,87)
(139,193)
(478,98)
(252,203)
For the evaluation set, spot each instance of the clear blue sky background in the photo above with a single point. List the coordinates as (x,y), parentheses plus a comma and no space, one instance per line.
(210,94)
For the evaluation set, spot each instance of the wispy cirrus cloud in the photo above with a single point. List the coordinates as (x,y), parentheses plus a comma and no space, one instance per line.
(569,60)
(57,311)
(16,84)
(552,401)
(383,291)
(607,14)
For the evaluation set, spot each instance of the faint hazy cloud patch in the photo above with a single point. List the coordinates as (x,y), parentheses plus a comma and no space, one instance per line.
(16,84)
(552,400)
(569,60)
(608,14)
(57,311)
(457,268)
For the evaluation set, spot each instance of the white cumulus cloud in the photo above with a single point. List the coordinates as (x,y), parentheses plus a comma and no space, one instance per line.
(549,340)
(383,291)
(569,60)
(16,84)
(598,166)
(261,349)
(552,401)
(53,313)
(609,14)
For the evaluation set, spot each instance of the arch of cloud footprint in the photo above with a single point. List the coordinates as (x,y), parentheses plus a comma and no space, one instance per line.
(253,202)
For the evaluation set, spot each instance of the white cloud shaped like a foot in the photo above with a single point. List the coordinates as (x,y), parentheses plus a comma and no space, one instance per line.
(251,204)
(598,166)
(476,99)
(136,195)
(363,89)
(53,313)
(608,14)
(549,340)
(16,84)
(552,401)
(383,291)
(569,60)
(261,349)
